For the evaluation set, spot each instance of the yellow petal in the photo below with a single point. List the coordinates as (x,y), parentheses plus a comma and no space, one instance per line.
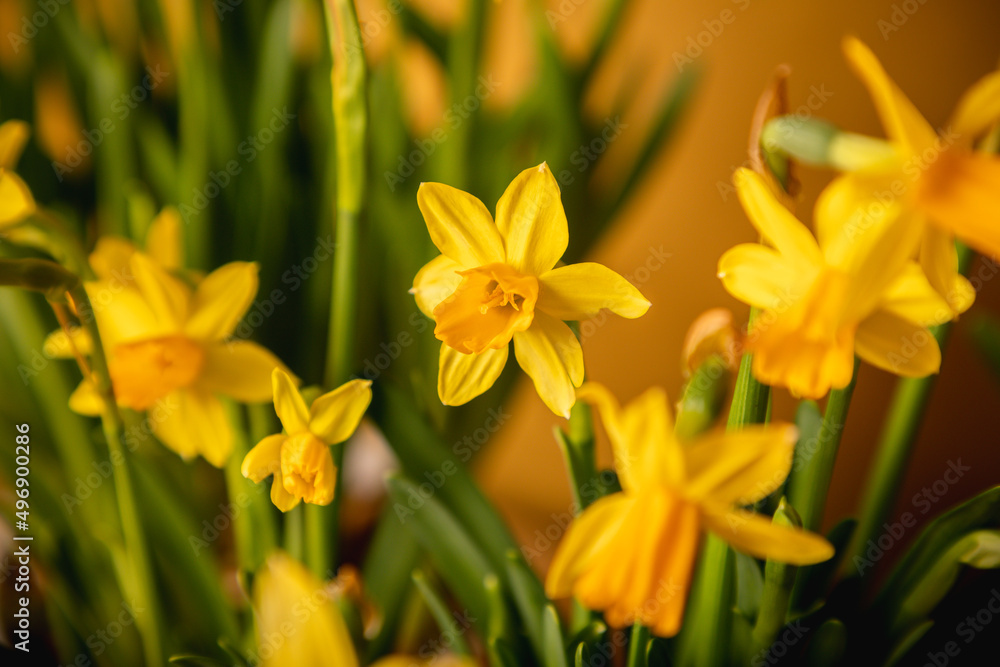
(168,298)
(307,469)
(902,121)
(462,377)
(590,533)
(459,225)
(60,345)
(581,291)
(281,498)
(264,459)
(775,222)
(335,415)
(13,136)
(163,239)
(961,193)
(221,299)
(550,354)
(298,620)
(939,260)
(122,314)
(898,346)
(435,282)
(757,536)
(239,369)
(912,298)
(85,400)
(740,467)
(532,221)
(761,277)
(288,403)
(111,257)
(645,451)
(978,109)
(16,202)
(192,422)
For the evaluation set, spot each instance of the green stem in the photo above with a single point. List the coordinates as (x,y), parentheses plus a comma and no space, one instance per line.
(779,579)
(578,450)
(140,582)
(637,646)
(895,446)
(807,490)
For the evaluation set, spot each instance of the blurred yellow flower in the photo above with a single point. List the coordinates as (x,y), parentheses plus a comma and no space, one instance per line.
(631,554)
(16,201)
(300,458)
(854,292)
(936,176)
(168,353)
(299,624)
(495,282)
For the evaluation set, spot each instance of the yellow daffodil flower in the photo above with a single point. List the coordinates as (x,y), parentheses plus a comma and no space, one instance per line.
(853,292)
(495,282)
(168,352)
(300,458)
(299,624)
(631,554)
(937,176)
(16,201)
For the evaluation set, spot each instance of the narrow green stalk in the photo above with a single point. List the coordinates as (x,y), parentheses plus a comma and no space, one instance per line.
(350,128)
(578,450)
(807,489)
(637,646)
(778,581)
(253,527)
(140,581)
(463,65)
(895,446)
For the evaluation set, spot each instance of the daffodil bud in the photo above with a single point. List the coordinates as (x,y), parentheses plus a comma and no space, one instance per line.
(711,333)
(817,142)
(703,398)
(39,275)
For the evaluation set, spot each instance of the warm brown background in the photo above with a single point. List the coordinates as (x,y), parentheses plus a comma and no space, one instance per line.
(940,50)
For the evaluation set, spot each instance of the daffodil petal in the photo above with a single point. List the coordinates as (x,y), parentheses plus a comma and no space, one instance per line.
(650,455)
(581,291)
(264,459)
(939,260)
(961,193)
(86,400)
(591,532)
(192,422)
(459,225)
(122,314)
(335,415)
(775,222)
(550,354)
(163,239)
(110,258)
(893,344)
(239,369)
(462,377)
(757,536)
(761,277)
(221,299)
(281,498)
(902,121)
(16,202)
(288,403)
(740,467)
(168,298)
(60,345)
(435,282)
(13,136)
(912,298)
(978,109)
(532,221)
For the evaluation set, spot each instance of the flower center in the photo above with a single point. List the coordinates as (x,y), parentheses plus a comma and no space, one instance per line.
(307,470)
(490,305)
(148,370)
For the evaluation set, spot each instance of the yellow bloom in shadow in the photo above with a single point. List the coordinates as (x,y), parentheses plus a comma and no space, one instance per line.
(937,176)
(16,201)
(631,554)
(299,623)
(854,292)
(300,458)
(169,352)
(494,283)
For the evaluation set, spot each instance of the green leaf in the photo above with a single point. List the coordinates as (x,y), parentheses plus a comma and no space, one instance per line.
(778,581)
(702,399)
(749,585)
(440,611)
(501,654)
(828,646)
(814,580)
(529,598)
(196,660)
(638,646)
(907,642)
(554,653)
